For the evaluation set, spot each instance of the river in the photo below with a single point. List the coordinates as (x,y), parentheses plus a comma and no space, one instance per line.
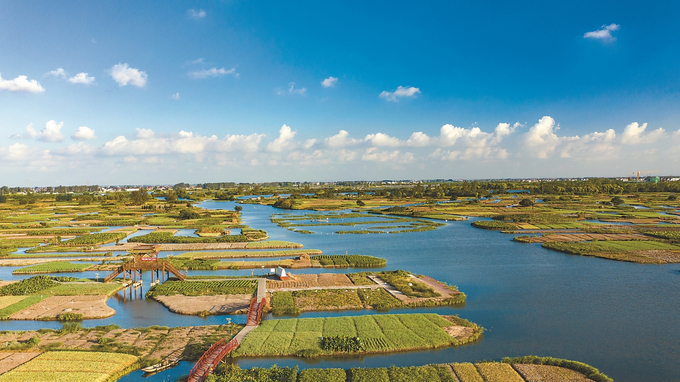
(619,317)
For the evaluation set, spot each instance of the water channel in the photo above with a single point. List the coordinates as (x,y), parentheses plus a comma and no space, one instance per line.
(619,317)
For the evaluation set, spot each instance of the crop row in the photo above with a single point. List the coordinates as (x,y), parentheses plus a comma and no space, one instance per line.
(53,267)
(28,286)
(203,288)
(380,332)
(357,261)
(95,238)
(167,237)
(70,366)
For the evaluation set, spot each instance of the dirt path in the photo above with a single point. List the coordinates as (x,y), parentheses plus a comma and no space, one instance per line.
(218,304)
(9,361)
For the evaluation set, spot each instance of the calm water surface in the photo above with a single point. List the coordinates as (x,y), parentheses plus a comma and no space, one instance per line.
(622,318)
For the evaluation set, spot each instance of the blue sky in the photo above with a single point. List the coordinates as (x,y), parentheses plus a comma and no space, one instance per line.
(163,92)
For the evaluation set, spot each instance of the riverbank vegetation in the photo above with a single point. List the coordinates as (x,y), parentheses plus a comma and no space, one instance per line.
(367,222)
(509,370)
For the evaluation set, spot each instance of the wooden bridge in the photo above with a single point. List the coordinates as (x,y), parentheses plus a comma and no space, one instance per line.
(145,258)
(212,357)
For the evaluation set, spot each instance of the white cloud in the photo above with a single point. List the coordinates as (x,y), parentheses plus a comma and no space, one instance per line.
(595,145)
(16,151)
(401,92)
(292,89)
(604,33)
(83,133)
(184,142)
(309,144)
(21,84)
(81,78)
(196,13)
(371,154)
(144,133)
(51,132)
(80,148)
(449,134)
(380,139)
(418,139)
(30,133)
(124,75)
(212,72)
(58,73)
(175,96)
(541,137)
(505,129)
(329,82)
(284,141)
(341,139)
(634,134)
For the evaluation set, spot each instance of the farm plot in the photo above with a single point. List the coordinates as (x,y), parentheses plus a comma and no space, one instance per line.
(344,261)
(68,366)
(96,238)
(365,334)
(203,288)
(52,267)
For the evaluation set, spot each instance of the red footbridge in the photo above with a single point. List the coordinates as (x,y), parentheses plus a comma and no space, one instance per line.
(212,357)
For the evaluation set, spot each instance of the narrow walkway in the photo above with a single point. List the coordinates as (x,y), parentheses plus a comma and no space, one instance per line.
(389,288)
(261,288)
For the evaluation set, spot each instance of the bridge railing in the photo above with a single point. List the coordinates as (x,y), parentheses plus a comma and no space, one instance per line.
(204,357)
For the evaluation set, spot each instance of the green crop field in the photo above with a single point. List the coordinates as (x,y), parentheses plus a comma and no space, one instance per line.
(236,254)
(96,238)
(355,261)
(203,288)
(71,366)
(52,267)
(376,333)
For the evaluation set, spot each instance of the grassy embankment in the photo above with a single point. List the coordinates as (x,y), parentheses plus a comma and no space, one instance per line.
(521,369)
(311,337)
(631,251)
(52,267)
(374,224)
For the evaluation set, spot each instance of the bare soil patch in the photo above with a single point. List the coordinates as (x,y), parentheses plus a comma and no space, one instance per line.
(568,238)
(218,304)
(312,281)
(89,306)
(9,361)
(667,256)
(459,332)
(546,373)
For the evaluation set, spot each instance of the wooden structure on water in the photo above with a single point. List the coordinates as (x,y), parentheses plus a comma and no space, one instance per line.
(145,258)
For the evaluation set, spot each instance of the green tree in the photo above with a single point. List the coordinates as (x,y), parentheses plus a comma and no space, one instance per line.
(526,202)
(139,197)
(617,200)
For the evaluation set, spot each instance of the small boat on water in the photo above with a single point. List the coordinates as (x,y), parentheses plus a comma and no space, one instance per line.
(166,364)
(171,361)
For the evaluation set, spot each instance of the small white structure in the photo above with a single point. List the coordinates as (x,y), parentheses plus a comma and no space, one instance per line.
(281,273)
